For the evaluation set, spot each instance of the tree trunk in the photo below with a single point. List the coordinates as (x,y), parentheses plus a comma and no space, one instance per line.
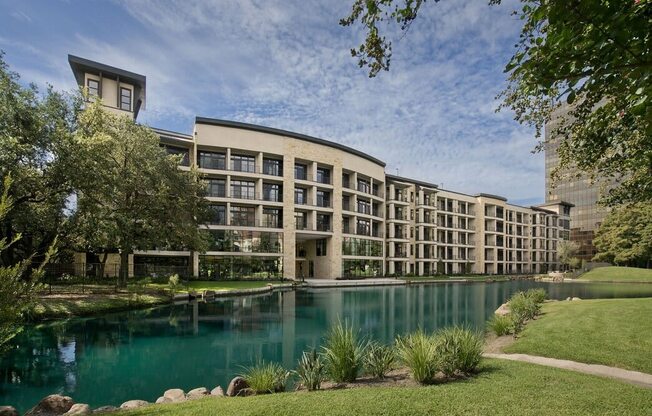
(105,255)
(124,268)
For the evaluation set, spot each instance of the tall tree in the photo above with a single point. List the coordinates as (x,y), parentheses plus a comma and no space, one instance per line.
(37,150)
(134,195)
(567,252)
(625,236)
(593,54)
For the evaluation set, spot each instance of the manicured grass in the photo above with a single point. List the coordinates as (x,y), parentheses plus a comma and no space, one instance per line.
(66,306)
(618,274)
(200,286)
(613,332)
(503,388)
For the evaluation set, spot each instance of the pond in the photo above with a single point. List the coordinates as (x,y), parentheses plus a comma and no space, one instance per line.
(138,355)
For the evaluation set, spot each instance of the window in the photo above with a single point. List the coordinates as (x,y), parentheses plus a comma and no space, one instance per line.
(216,188)
(346,203)
(321,247)
(93,88)
(364,186)
(300,220)
(323,175)
(300,171)
(323,222)
(212,160)
(243,163)
(364,207)
(300,196)
(217,214)
(243,216)
(363,227)
(323,199)
(272,167)
(243,189)
(272,192)
(178,151)
(125,99)
(346,182)
(272,217)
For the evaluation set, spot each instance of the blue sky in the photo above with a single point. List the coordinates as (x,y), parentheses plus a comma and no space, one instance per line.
(286,64)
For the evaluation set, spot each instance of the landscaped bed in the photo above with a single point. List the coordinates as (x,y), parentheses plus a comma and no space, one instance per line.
(618,274)
(502,388)
(613,332)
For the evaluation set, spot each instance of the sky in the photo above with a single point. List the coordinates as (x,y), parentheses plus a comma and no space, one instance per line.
(287,64)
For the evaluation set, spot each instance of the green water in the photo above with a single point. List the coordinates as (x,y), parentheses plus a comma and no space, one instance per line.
(138,355)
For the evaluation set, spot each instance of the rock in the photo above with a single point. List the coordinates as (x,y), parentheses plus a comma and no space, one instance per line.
(106,409)
(574,298)
(51,405)
(209,293)
(217,391)
(237,387)
(8,411)
(568,298)
(133,404)
(503,310)
(78,409)
(175,395)
(197,393)
(162,400)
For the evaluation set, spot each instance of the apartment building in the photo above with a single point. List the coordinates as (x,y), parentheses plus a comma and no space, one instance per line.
(292,205)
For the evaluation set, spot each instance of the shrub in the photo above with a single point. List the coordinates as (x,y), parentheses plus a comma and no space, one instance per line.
(264,378)
(311,370)
(173,282)
(537,295)
(379,359)
(417,351)
(523,307)
(459,349)
(343,353)
(500,324)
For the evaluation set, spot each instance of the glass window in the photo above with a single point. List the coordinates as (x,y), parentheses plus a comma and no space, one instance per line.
(272,192)
(364,186)
(178,151)
(125,99)
(323,199)
(300,196)
(323,222)
(272,217)
(321,247)
(243,216)
(346,203)
(243,189)
(212,160)
(93,87)
(216,187)
(300,220)
(346,180)
(240,267)
(300,171)
(217,214)
(364,207)
(272,167)
(243,163)
(363,227)
(323,175)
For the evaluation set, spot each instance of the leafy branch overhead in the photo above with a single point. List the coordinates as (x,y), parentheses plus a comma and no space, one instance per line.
(581,67)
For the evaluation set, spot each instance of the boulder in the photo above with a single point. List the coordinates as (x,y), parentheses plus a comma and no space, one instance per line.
(503,310)
(175,395)
(568,298)
(162,400)
(8,411)
(197,393)
(106,409)
(217,391)
(78,409)
(133,404)
(51,405)
(237,387)
(574,298)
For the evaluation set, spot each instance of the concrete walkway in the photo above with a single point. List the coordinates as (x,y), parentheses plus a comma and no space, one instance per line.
(632,377)
(321,283)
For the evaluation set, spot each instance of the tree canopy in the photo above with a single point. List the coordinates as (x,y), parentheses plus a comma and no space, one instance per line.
(591,54)
(625,236)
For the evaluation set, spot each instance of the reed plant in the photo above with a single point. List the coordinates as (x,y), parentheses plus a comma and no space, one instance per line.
(311,370)
(379,359)
(265,378)
(343,353)
(418,352)
(459,350)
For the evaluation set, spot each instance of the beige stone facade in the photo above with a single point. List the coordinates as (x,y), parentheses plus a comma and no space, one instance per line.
(291,205)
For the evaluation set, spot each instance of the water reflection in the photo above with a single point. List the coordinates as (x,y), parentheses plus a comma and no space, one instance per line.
(140,354)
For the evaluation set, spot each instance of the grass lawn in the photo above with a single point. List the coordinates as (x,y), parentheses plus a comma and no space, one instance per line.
(199,286)
(613,332)
(618,274)
(68,305)
(503,388)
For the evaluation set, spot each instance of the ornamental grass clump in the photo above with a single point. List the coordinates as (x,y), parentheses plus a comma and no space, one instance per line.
(265,378)
(418,352)
(500,324)
(379,359)
(343,353)
(537,295)
(458,350)
(311,370)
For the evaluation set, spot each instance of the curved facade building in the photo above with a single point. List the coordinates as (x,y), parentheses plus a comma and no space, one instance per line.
(291,205)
